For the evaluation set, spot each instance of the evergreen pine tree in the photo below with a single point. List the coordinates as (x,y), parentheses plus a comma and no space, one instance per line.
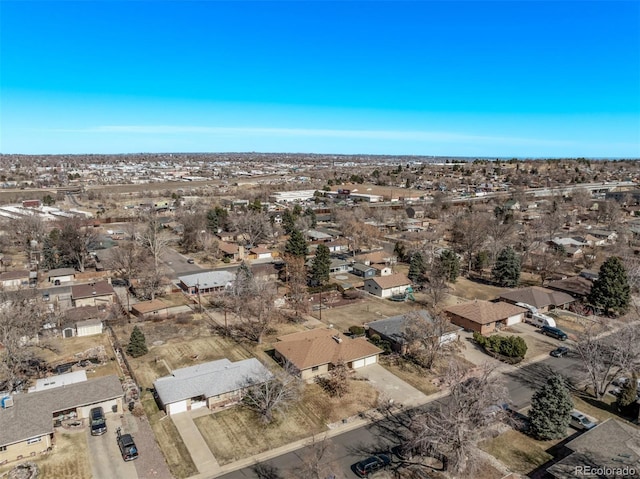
(551,408)
(611,290)
(137,343)
(416,267)
(321,265)
(288,221)
(506,271)
(628,395)
(449,265)
(296,245)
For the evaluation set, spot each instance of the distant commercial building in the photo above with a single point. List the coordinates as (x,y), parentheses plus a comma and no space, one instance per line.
(292,196)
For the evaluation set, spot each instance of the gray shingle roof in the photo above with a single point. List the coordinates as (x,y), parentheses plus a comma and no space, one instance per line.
(32,413)
(210,379)
(209,279)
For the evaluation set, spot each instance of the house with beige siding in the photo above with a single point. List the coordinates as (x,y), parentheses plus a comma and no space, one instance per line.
(314,353)
(484,317)
(29,421)
(99,294)
(387,286)
(213,385)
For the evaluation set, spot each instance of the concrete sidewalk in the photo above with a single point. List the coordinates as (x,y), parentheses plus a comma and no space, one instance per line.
(336,429)
(200,453)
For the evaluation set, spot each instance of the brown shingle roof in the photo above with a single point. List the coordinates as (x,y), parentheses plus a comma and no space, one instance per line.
(374,257)
(391,281)
(537,296)
(317,347)
(149,306)
(12,275)
(484,312)
(228,248)
(101,288)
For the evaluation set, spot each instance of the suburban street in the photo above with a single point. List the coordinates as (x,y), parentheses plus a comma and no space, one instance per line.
(352,446)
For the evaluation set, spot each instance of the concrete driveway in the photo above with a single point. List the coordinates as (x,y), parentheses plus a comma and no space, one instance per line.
(392,387)
(104,454)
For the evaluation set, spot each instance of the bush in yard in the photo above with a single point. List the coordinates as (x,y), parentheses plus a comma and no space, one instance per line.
(357,331)
(509,346)
(551,408)
(137,343)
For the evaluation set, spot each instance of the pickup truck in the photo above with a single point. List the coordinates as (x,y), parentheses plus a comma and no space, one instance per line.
(127,447)
(98,421)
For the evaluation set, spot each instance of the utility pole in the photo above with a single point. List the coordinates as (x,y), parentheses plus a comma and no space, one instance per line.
(199,301)
(320,304)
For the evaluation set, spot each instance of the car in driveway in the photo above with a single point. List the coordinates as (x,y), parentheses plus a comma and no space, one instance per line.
(372,464)
(127,446)
(559,352)
(98,421)
(580,421)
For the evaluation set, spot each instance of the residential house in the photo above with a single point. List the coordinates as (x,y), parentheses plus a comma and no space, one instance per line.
(375,257)
(100,293)
(569,246)
(338,266)
(393,330)
(363,270)
(152,309)
(484,317)
(337,246)
(61,275)
(542,298)
(316,352)
(231,251)
(260,253)
(14,279)
(608,236)
(576,286)
(387,286)
(416,212)
(609,450)
(27,420)
(206,282)
(212,385)
(382,269)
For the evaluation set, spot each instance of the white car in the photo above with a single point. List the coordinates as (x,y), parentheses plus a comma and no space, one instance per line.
(580,421)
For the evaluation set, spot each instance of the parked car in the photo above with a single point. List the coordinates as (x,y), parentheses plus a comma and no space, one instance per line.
(372,464)
(559,352)
(127,446)
(190,261)
(580,421)
(98,421)
(554,332)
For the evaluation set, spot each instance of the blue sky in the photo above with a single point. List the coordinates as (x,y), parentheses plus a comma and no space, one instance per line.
(462,78)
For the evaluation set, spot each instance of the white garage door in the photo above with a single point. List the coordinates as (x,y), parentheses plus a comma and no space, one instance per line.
(370,360)
(177,407)
(514,319)
(358,364)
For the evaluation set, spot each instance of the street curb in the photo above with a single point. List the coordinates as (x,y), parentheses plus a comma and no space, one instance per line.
(369,418)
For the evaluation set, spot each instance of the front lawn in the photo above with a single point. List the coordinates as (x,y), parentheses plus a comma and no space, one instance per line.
(519,452)
(237,433)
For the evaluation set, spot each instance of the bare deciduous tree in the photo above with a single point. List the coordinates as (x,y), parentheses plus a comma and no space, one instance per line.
(253,225)
(455,427)
(21,317)
(423,338)
(605,357)
(254,305)
(316,459)
(468,233)
(154,240)
(274,396)
(296,279)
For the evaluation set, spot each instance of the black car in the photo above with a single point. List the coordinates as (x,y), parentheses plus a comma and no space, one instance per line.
(372,464)
(127,446)
(98,421)
(559,352)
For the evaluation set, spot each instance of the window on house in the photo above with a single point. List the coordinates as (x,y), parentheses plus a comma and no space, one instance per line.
(315,368)
(33,440)
(3,448)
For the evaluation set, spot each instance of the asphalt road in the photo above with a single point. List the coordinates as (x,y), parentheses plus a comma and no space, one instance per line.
(353,446)
(177,265)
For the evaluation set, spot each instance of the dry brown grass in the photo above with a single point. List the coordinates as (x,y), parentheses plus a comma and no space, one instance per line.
(168,438)
(370,309)
(237,433)
(468,289)
(519,452)
(58,349)
(412,374)
(69,459)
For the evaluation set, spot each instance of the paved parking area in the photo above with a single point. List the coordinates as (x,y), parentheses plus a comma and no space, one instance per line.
(104,454)
(391,386)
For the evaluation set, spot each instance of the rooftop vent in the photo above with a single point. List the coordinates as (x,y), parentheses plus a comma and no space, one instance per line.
(337,338)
